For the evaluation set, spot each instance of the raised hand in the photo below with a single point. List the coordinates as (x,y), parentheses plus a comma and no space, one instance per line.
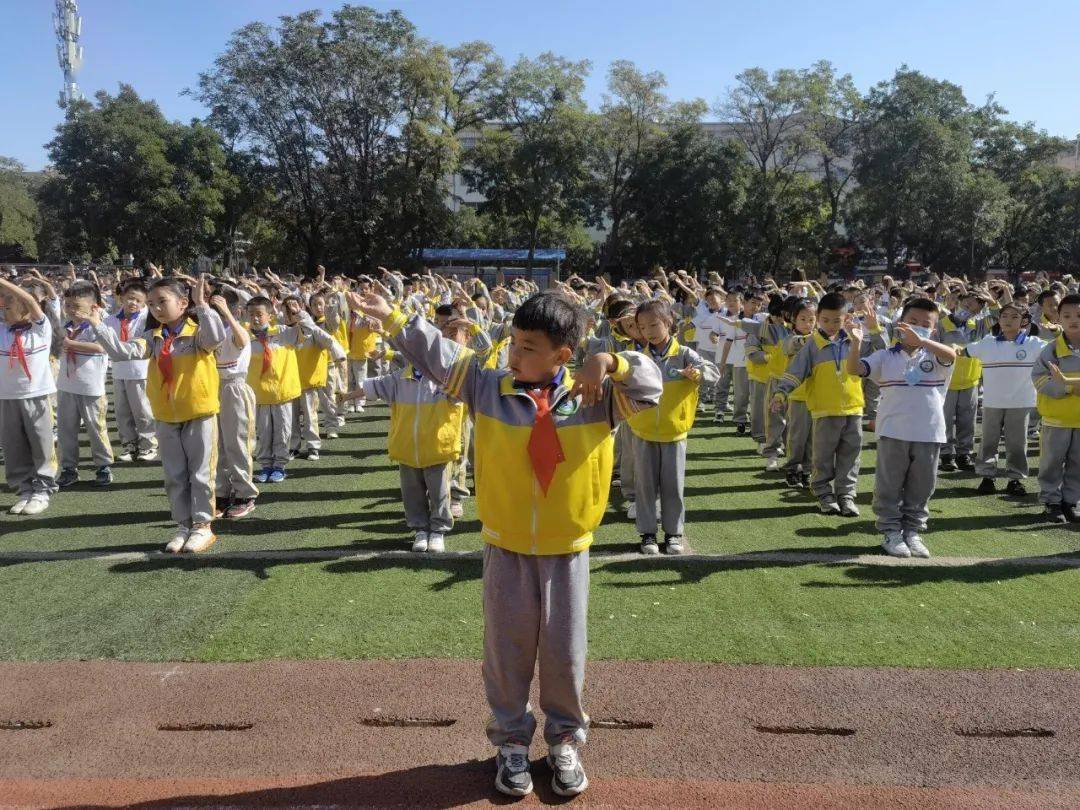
(371,304)
(589,382)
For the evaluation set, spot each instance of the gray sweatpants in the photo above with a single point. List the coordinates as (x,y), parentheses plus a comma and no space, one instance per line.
(134,419)
(904,480)
(960,407)
(723,389)
(273,429)
(358,372)
(535,607)
(305,421)
(1013,423)
(660,469)
(836,448)
(871,395)
(425,492)
(800,435)
(707,390)
(757,411)
(73,411)
(236,440)
(775,424)
(1059,465)
(189,460)
(26,433)
(740,392)
(332,417)
(624,442)
(459,479)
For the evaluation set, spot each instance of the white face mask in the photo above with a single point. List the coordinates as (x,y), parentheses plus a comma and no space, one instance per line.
(921,331)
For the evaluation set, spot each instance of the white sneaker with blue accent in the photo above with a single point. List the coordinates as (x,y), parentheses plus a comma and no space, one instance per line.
(568,777)
(512,776)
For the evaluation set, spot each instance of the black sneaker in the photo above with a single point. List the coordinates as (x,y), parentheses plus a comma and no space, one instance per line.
(67,478)
(804,479)
(512,775)
(947,464)
(986,487)
(964,462)
(740,430)
(102,477)
(1070,513)
(1015,487)
(791,478)
(649,545)
(1054,514)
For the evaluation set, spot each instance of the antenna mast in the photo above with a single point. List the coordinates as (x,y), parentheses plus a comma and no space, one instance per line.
(68,26)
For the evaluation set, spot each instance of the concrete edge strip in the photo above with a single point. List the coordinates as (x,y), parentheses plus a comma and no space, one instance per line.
(1052,561)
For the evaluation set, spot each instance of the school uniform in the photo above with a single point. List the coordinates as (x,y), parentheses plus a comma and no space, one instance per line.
(275,378)
(313,357)
(337,324)
(425,440)
(134,419)
(962,401)
(615,343)
(362,344)
(1008,397)
(757,370)
(182,385)
(236,423)
(772,338)
(740,380)
(26,412)
(1059,409)
(835,401)
(81,401)
(911,430)
(660,439)
(538,509)
(800,424)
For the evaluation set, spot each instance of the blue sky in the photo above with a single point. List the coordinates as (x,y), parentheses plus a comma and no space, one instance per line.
(1026,53)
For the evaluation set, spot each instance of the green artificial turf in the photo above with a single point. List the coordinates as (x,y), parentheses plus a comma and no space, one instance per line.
(218,609)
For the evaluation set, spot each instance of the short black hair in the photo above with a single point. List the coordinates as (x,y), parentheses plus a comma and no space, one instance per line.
(659,307)
(83,289)
(1044,295)
(260,301)
(620,309)
(1069,301)
(445,310)
(833,302)
(555,315)
(919,303)
(136,284)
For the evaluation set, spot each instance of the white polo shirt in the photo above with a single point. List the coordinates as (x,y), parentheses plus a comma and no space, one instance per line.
(913,389)
(231,361)
(36,379)
(136,325)
(81,372)
(1006,370)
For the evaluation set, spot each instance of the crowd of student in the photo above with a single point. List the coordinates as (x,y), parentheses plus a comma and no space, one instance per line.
(550,397)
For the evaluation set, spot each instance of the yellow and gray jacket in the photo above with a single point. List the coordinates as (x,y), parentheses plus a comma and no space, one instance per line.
(765,358)
(1058,405)
(833,391)
(671,422)
(957,333)
(515,512)
(425,424)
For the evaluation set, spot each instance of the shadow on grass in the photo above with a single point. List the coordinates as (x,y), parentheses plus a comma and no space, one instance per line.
(880,576)
(456,571)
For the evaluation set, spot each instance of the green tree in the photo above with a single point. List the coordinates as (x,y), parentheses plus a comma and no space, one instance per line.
(18,213)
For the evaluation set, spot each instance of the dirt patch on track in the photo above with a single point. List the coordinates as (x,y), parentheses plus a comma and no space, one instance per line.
(391,733)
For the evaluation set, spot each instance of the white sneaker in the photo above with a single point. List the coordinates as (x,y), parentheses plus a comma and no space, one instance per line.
(916,546)
(436,542)
(761,448)
(37,504)
(125,457)
(200,540)
(631,511)
(148,455)
(19,506)
(895,546)
(456,509)
(420,541)
(359,407)
(331,435)
(176,542)
(512,770)
(568,777)
(772,465)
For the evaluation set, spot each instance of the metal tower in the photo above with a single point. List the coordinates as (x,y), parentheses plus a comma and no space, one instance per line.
(68,25)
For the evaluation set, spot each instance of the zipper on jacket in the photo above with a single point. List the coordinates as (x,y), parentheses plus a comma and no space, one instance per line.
(416,425)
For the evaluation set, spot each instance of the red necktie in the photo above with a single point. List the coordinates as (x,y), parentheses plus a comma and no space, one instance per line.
(164,360)
(125,324)
(18,353)
(264,339)
(545,450)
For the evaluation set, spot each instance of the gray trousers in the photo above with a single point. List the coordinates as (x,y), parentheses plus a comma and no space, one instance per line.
(358,372)
(904,480)
(707,390)
(535,609)
(305,421)
(871,395)
(26,433)
(134,419)
(775,425)
(740,392)
(189,459)
(328,402)
(800,436)
(73,411)
(1059,465)
(660,469)
(757,411)
(459,479)
(624,445)
(1013,423)
(960,407)
(273,428)
(425,492)
(723,389)
(836,448)
(236,440)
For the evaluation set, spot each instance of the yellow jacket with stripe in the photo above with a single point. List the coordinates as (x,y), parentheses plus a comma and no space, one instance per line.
(672,420)
(967,371)
(1058,405)
(192,392)
(833,391)
(765,359)
(425,424)
(362,341)
(515,512)
(313,357)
